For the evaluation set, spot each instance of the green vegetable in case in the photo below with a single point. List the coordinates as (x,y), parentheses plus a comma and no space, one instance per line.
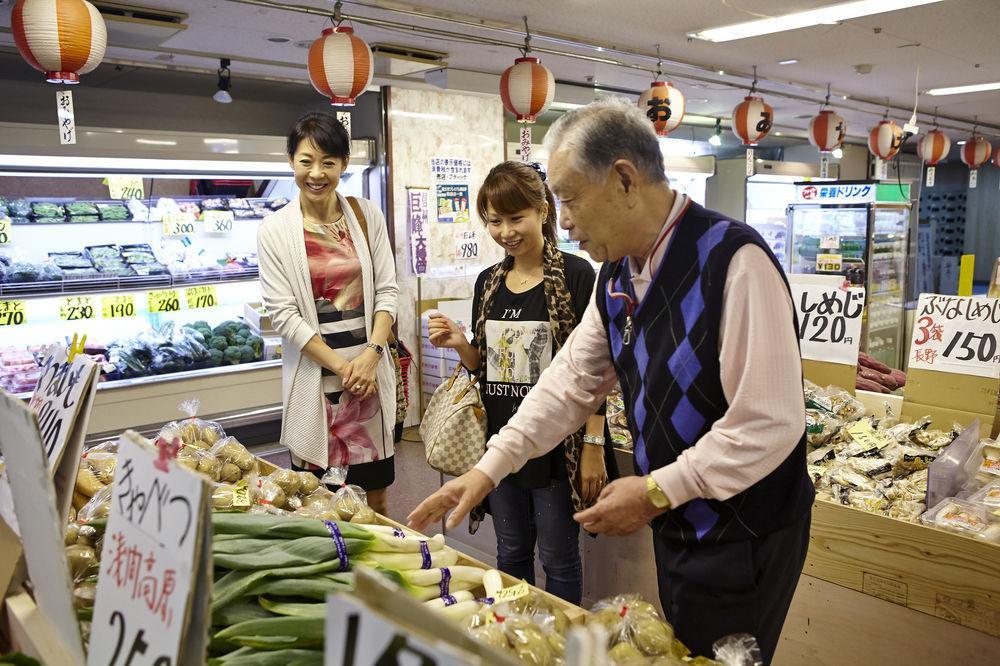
(232,355)
(218,342)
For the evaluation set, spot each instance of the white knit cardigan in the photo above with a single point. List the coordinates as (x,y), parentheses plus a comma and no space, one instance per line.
(287,295)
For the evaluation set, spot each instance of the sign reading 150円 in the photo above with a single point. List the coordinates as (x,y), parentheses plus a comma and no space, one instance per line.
(957,334)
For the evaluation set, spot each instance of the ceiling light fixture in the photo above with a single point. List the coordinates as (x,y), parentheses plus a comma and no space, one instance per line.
(790,61)
(962,142)
(222,95)
(824,15)
(838,153)
(958,90)
(716,138)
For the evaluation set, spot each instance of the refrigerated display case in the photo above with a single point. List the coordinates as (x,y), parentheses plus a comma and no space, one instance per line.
(769,191)
(858,229)
(163,283)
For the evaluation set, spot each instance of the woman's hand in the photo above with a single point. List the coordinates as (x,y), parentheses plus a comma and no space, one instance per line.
(443,332)
(593,474)
(359,375)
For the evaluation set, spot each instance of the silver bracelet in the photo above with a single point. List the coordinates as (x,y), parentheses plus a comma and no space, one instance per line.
(594,440)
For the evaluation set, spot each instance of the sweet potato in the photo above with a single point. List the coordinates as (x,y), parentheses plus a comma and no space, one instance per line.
(871,362)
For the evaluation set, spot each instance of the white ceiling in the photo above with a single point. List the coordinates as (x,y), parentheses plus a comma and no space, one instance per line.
(952,42)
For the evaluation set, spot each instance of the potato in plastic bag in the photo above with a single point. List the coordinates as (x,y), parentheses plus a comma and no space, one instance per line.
(529,641)
(538,607)
(209,465)
(287,480)
(492,635)
(270,493)
(102,463)
(82,562)
(365,515)
(230,450)
(71,534)
(84,594)
(193,431)
(349,498)
(319,496)
(310,483)
(99,506)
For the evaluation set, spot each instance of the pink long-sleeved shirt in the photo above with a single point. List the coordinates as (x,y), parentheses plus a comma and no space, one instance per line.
(761,377)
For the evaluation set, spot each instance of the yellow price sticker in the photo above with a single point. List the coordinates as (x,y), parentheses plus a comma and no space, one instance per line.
(201,297)
(164,300)
(125,187)
(512,593)
(178,224)
(5,230)
(117,307)
(863,433)
(76,308)
(829,263)
(12,313)
(241,494)
(218,221)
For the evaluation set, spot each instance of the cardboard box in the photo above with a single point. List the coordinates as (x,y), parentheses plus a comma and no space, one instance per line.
(438,367)
(272,348)
(257,321)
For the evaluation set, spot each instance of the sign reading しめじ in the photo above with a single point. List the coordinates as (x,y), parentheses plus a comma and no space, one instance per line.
(829,318)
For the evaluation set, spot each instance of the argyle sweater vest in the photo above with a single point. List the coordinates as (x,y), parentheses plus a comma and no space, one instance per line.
(670,377)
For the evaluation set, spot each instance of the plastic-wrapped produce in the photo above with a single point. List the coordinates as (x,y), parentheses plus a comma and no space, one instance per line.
(81,208)
(41,209)
(70,260)
(22,271)
(635,629)
(113,212)
(958,516)
(19,208)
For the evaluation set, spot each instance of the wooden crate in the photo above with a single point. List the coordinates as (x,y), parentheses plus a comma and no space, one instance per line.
(944,574)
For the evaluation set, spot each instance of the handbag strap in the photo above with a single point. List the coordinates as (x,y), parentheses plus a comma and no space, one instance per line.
(363,223)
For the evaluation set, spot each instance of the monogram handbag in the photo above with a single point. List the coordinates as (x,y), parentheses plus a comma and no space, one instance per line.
(454,426)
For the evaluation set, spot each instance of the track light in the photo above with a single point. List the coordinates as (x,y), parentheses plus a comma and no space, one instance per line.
(222,94)
(716,138)
(838,153)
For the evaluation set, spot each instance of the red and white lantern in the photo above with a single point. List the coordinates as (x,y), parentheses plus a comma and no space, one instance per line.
(976,151)
(663,104)
(752,120)
(62,38)
(340,65)
(885,139)
(933,147)
(527,88)
(827,131)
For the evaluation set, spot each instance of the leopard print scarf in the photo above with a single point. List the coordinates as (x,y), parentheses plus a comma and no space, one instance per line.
(562,320)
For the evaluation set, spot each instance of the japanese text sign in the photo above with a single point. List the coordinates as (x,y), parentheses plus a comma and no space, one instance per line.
(819,193)
(60,390)
(957,334)
(64,112)
(829,318)
(150,560)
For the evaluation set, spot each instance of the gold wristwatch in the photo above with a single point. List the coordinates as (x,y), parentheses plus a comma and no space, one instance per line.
(655,494)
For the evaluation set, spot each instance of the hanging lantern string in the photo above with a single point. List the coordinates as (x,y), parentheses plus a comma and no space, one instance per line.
(885,116)
(659,63)
(935,118)
(753,86)
(338,16)
(975,126)
(826,103)
(527,38)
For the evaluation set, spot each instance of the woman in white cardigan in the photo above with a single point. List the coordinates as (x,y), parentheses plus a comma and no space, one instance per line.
(333,300)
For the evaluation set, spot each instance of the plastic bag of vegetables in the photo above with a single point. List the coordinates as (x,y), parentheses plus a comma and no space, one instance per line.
(635,629)
(199,433)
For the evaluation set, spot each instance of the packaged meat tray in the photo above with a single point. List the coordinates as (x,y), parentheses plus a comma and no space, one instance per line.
(212,204)
(238,204)
(245,213)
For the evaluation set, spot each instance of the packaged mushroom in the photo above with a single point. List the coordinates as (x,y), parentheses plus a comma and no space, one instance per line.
(958,516)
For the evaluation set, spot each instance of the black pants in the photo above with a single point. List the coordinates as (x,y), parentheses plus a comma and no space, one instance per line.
(713,590)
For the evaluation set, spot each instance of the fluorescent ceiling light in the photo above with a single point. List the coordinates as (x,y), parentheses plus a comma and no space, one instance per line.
(790,61)
(156,142)
(961,143)
(220,142)
(824,15)
(958,90)
(422,116)
(838,153)
(110,165)
(564,106)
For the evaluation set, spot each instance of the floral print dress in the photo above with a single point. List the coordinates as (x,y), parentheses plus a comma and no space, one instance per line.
(355,426)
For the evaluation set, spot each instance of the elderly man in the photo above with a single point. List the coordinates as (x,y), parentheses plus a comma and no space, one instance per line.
(693,317)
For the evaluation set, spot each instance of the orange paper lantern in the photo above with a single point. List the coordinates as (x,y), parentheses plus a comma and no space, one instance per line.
(62,38)
(976,151)
(885,139)
(340,65)
(527,88)
(933,147)
(663,104)
(827,131)
(752,120)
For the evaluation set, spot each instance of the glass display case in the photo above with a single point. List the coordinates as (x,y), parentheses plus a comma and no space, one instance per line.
(153,259)
(858,229)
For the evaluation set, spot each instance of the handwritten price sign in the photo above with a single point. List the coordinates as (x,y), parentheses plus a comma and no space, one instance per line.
(114,307)
(178,224)
(957,334)
(12,313)
(163,300)
(149,560)
(77,308)
(125,187)
(829,263)
(466,245)
(201,297)
(829,318)
(5,230)
(218,221)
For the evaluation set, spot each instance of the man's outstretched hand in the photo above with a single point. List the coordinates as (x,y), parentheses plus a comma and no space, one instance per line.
(461,494)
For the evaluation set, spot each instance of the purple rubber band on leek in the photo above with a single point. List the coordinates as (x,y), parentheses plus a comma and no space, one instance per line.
(449,600)
(425,552)
(398,533)
(445,582)
(338,541)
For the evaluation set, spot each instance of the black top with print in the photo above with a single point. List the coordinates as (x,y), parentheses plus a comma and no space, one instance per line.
(520,345)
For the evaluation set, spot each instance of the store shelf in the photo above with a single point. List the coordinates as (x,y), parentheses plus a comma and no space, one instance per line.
(103,285)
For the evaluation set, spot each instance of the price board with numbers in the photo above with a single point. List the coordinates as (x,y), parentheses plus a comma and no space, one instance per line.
(829,317)
(163,300)
(125,187)
(201,297)
(957,334)
(117,306)
(153,592)
(77,308)
(12,313)
(218,221)
(466,245)
(5,230)
(178,224)
(829,263)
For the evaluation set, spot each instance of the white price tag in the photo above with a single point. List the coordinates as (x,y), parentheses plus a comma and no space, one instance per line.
(931,173)
(751,167)
(957,334)
(973,179)
(219,221)
(466,245)
(824,165)
(150,561)
(178,224)
(829,318)
(58,395)
(829,242)
(345,119)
